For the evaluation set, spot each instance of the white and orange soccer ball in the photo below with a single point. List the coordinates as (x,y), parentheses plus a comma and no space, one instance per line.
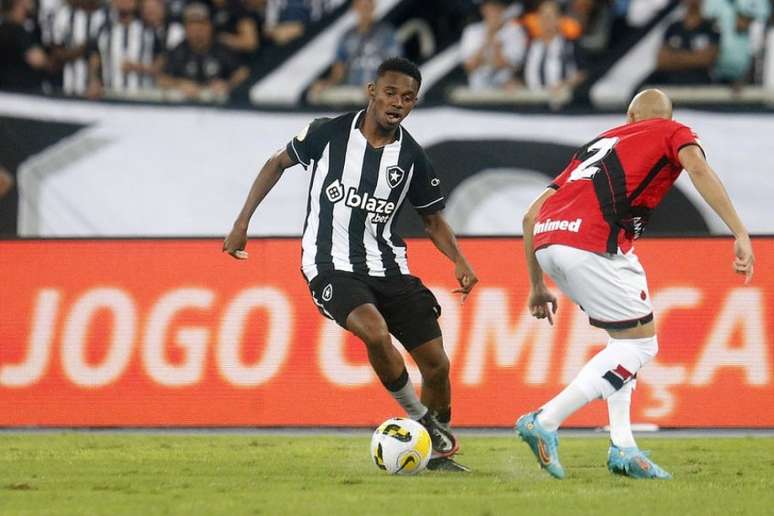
(401,446)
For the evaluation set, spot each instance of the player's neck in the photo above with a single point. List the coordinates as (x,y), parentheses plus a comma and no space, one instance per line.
(376,135)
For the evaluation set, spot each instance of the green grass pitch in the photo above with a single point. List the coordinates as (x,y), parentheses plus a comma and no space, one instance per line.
(139,474)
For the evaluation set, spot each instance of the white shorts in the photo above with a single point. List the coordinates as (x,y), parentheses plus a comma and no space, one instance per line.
(610,288)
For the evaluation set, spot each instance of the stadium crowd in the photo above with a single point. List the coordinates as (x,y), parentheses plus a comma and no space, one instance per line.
(205,49)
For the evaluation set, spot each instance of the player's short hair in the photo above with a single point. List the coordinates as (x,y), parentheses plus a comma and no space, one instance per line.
(400,65)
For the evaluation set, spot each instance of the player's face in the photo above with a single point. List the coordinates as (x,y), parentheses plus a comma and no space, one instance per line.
(393,96)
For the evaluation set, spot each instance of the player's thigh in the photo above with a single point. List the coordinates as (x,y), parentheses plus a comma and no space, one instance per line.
(338,293)
(553,261)
(611,289)
(367,323)
(410,309)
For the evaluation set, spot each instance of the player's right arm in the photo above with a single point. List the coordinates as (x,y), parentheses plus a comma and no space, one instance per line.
(539,295)
(710,187)
(268,176)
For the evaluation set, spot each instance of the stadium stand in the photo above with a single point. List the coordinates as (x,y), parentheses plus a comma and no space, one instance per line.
(303,53)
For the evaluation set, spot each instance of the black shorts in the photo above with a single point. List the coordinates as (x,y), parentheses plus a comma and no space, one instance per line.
(409,308)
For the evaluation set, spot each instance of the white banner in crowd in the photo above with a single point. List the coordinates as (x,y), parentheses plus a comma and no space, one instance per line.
(161,171)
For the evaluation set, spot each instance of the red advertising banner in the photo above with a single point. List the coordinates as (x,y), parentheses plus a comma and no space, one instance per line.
(175,333)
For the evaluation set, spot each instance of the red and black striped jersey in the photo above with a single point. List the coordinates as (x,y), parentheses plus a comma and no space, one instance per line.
(605,195)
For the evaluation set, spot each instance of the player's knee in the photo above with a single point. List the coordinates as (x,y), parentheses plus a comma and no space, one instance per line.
(375,335)
(437,371)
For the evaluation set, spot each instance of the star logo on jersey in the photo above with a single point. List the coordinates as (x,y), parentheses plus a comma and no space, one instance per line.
(395,176)
(327,292)
(334,191)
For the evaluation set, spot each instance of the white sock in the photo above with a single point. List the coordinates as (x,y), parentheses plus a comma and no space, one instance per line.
(403,391)
(618,408)
(611,368)
(601,377)
(559,408)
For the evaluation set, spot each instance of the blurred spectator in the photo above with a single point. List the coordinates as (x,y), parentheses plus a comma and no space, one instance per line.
(630,15)
(767,64)
(493,49)
(286,20)
(46,14)
(127,55)
(361,50)
(319,8)
(156,16)
(569,27)
(735,18)
(640,12)
(200,66)
(689,50)
(234,28)
(6,181)
(23,63)
(595,19)
(256,9)
(551,62)
(76,26)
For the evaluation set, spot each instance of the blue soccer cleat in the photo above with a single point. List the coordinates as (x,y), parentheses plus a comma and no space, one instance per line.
(544,444)
(634,463)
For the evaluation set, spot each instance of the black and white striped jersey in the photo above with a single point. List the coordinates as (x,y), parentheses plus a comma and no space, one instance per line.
(74,28)
(547,65)
(118,43)
(355,194)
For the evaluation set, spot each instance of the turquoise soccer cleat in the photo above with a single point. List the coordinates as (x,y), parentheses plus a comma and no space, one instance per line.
(544,444)
(634,463)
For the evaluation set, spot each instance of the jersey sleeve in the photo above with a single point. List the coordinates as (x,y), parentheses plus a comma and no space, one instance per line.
(681,137)
(425,190)
(308,145)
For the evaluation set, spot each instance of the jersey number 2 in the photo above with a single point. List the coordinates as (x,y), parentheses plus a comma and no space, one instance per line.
(588,168)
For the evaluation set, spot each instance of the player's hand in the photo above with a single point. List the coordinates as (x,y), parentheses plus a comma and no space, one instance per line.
(235,243)
(539,299)
(465,277)
(743,264)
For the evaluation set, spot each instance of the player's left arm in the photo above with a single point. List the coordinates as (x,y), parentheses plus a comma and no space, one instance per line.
(443,237)
(539,295)
(710,187)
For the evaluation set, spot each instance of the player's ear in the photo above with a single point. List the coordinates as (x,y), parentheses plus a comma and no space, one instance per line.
(372,89)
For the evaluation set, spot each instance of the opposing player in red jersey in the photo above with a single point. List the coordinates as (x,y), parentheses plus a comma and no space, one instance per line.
(580,232)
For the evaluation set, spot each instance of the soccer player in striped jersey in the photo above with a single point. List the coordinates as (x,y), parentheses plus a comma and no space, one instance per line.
(364,166)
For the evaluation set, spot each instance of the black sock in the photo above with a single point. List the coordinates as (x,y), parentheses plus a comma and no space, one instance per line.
(443,416)
(397,384)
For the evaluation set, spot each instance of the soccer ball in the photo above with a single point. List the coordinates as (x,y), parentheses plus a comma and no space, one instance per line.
(401,446)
